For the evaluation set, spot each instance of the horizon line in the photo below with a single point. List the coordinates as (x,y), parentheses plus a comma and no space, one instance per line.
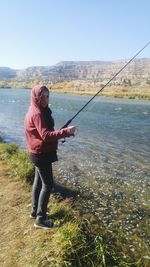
(71,61)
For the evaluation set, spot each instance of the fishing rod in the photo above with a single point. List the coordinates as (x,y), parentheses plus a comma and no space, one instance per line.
(69,121)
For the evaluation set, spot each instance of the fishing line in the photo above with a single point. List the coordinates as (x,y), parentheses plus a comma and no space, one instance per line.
(69,121)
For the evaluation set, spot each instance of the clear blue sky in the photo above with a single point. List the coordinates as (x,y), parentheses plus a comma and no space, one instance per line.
(44,32)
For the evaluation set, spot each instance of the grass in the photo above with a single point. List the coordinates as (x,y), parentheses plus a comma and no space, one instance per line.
(89,87)
(18,161)
(78,241)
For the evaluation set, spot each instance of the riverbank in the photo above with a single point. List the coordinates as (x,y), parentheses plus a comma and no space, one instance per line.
(91,88)
(88,88)
(21,244)
(70,244)
(79,239)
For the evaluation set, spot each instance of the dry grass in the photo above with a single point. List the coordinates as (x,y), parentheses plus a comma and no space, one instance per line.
(69,244)
(90,88)
(21,244)
(77,242)
(14,219)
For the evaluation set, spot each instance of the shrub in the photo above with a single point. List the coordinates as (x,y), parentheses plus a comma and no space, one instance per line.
(18,161)
(21,166)
(7,151)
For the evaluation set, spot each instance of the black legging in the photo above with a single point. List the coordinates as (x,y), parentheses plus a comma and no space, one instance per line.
(42,186)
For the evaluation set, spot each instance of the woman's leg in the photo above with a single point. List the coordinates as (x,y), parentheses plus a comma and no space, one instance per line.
(46,176)
(36,188)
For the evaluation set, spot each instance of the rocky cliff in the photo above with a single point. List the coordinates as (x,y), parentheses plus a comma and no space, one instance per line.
(137,73)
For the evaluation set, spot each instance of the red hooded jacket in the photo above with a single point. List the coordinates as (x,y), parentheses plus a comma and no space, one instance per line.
(39,138)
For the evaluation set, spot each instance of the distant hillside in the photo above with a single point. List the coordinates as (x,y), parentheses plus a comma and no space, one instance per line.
(137,73)
(7,73)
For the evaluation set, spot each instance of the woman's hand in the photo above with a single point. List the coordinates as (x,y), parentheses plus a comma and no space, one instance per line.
(71,130)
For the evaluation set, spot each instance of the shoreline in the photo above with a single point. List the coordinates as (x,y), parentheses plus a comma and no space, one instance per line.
(113,95)
(142,93)
(78,234)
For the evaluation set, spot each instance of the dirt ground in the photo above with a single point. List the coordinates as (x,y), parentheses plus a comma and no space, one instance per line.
(18,237)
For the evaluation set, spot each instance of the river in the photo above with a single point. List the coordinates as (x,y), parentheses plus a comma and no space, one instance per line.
(112,138)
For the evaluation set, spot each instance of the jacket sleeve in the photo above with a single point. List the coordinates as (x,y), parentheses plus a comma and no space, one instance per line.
(46,134)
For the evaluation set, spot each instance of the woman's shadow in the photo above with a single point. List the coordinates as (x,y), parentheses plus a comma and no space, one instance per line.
(62,193)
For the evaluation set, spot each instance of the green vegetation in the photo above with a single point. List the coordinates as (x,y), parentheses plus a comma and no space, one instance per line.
(17,160)
(88,88)
(78,241)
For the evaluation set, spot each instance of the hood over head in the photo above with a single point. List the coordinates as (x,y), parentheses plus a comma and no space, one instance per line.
(36,93)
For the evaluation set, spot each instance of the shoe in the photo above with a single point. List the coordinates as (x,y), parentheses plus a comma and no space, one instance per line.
(47,224)
(32,215)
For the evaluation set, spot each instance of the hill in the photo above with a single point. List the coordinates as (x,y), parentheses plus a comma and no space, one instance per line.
(84,76)
(138,72)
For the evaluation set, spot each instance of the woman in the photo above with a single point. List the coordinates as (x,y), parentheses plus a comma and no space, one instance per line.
(42,141)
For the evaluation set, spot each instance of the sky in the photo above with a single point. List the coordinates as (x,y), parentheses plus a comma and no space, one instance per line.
(45,32)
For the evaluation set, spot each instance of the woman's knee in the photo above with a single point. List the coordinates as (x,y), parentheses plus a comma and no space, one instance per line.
(47,187)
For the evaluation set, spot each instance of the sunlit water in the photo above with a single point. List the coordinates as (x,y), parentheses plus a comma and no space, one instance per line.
(108,159)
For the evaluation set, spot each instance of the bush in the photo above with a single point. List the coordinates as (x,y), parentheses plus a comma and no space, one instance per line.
(21,166)
(7,151)
(18,161)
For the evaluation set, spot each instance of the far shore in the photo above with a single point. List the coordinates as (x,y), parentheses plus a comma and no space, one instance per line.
(129,92)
